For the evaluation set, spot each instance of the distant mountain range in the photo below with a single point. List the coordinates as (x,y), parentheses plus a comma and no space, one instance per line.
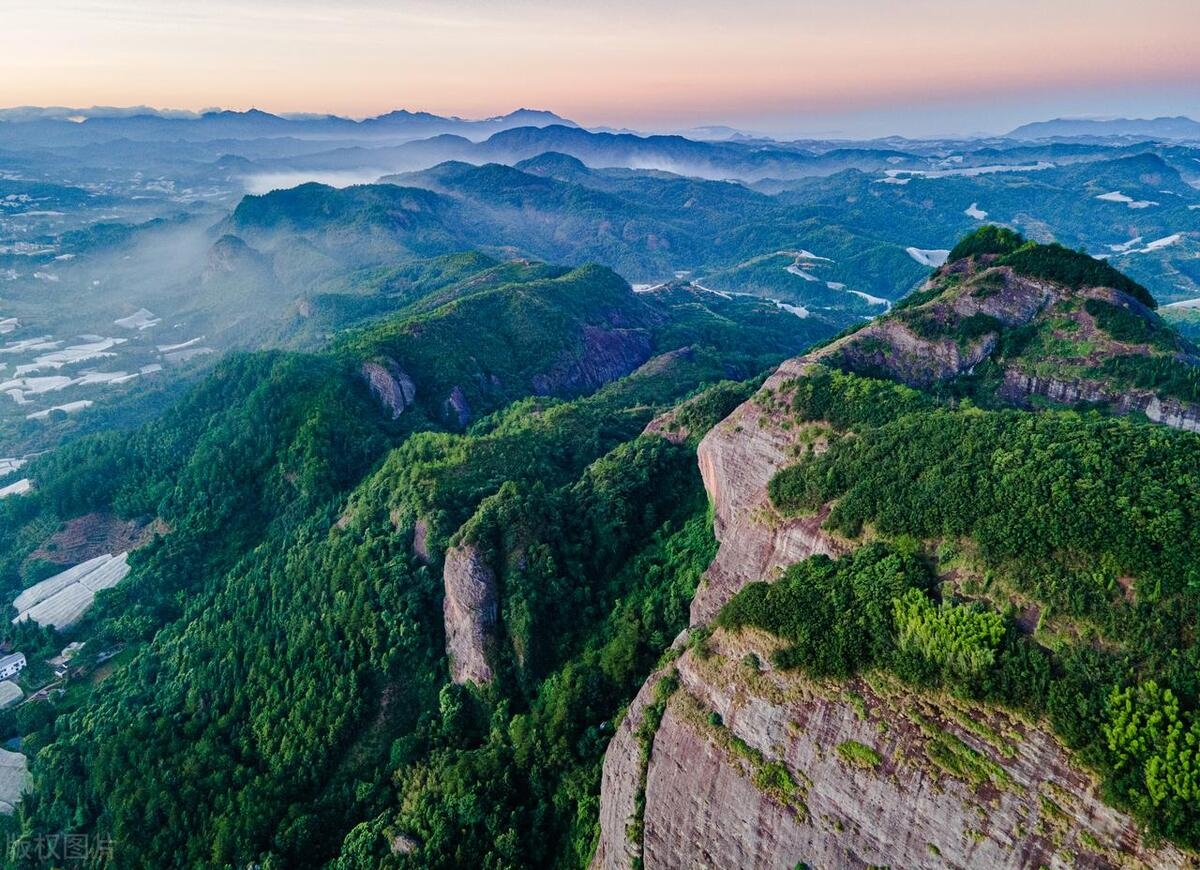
(1178,128)
(106,124)
(61,124)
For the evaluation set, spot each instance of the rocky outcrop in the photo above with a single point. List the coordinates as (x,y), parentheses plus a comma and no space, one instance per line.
(892,347)
(470,611)
(230,254)
(390,384)
(1019,388)
(604,355)
(1012,299)
(737,459)
(756,768)
(926,344)
(1169,412)
(751,767)
(457,408)
(420,543)
(920,358)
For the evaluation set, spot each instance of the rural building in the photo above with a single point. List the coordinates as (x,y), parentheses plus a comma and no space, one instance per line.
(12,665)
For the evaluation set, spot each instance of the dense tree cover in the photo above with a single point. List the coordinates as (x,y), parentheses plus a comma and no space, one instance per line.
(266,435)
(250,457)
(370,295)
(1130,327)
(564,335)
(286,677)
(1154,744)
(514,773)
(1167,376)
(871,609)
(847,401)
(1093,518)
(964,330)
(838,616)
(988,239)
(957,640)
(697,415)
(439,477)
(554,551)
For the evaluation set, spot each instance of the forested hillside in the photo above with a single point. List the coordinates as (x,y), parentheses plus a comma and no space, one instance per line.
(284,677)
(391,598)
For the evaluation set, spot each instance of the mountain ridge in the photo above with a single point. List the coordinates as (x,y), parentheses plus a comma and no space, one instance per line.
(1006,321)
(802,676)
(1170,128)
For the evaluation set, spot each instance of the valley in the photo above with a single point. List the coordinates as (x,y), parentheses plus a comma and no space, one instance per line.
(168,257)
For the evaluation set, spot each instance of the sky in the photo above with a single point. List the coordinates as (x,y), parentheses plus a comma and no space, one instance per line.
(783,67)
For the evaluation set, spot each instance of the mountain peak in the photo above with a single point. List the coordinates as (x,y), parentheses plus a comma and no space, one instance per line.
(1006,321)
(554,164)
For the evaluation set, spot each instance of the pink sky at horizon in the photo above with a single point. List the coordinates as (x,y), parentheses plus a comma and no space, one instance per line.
(629,63)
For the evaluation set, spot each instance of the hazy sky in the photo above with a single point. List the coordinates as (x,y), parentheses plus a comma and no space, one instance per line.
(852,66)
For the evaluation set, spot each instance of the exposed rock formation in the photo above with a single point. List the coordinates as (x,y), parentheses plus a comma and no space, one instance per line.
(389,384)
(606,354)
(738,458)
(1018,388)
(421,541)
(470,612)
(755,768)
(230,254)
(744,768)
(723,761)
(457,408)
(621,784)
(893,347)
(1013,299)
(925,344)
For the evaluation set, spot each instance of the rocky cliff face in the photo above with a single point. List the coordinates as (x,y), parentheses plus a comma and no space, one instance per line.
(908,346)
(916,361)
(230,255)
(456,408)
(605,354)
(755,768)
(1019,388)
(745,766)
(737,460)
(470,612)
(389,384)
(724,761)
